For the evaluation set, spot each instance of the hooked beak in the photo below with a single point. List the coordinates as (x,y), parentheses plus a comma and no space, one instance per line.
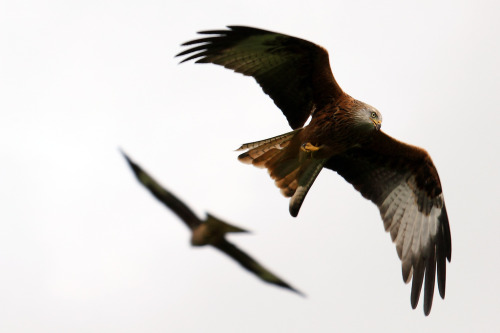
(377,124)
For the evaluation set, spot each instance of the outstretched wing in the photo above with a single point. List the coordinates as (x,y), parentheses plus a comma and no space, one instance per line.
(251,265)
(167,198)
(403,182)
(295,73)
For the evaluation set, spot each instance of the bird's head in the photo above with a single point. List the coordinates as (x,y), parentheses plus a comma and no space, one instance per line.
(367,118)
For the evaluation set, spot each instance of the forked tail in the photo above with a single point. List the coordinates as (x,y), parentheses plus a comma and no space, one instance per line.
(293,169)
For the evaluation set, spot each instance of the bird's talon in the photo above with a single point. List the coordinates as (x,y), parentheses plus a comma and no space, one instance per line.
(309,148)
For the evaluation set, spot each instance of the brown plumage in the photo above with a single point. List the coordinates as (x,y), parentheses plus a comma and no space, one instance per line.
(212,231)
(343,135)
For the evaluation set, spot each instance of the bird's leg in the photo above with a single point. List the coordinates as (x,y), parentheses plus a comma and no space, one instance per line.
(309,148)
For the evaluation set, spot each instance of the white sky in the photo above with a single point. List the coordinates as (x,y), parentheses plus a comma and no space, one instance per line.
(83,248)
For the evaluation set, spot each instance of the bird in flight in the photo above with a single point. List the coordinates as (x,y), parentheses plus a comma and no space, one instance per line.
(343,135)
(211,231)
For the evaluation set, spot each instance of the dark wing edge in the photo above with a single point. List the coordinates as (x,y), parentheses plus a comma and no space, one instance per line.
(163,195)
(403,182)
(294,72)
(252,265)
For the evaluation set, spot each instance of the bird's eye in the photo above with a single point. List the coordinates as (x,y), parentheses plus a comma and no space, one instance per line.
(374,115)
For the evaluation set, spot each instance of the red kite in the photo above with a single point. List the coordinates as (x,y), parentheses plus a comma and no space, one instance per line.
(212,231)
(343,135)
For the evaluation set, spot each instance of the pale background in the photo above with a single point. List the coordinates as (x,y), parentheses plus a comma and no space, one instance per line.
(83,248)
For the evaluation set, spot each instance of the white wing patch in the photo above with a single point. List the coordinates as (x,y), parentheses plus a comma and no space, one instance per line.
(412,230)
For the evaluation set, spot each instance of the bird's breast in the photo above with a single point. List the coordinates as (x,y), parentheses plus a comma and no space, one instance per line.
(331,132)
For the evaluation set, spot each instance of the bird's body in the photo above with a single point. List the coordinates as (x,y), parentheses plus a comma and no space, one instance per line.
(341,125)
(343,135)
(336,127)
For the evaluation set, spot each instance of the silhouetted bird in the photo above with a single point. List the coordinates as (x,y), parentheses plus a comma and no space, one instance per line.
(211,231)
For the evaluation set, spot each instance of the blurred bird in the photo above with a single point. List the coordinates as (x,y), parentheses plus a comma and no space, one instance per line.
(211,231)
(343,135)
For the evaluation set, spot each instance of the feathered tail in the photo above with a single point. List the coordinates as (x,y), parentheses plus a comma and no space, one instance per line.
(292,169)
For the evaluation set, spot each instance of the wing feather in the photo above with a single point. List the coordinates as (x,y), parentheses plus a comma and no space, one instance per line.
(163,195)
(252,265)
(418,276)
(403,182)
(430,270)
(294,72)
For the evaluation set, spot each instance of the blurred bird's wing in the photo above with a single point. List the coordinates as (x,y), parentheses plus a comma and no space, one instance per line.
(166,197)
(294,72)
(251,265)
